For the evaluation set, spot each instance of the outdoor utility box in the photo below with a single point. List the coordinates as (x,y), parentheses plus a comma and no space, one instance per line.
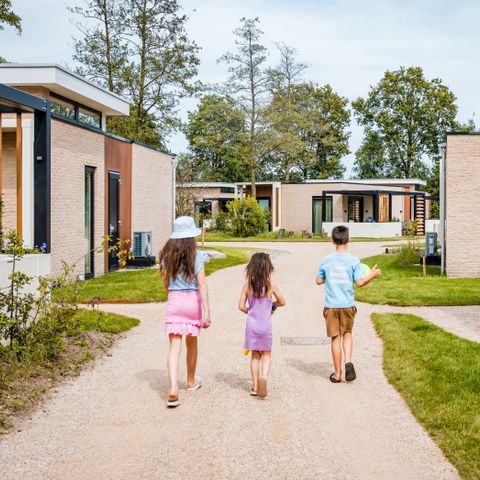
(431,243)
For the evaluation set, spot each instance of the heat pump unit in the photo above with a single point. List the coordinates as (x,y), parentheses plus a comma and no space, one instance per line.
(142,244)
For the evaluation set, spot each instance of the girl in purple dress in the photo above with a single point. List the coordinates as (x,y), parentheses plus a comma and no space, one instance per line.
(258,298)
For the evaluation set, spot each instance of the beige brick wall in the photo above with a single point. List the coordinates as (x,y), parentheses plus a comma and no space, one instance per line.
(152,194)
(73,148)
(462,189)
(9,181)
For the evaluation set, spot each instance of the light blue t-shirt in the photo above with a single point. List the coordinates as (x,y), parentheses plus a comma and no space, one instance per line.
(340,271)
(182,283)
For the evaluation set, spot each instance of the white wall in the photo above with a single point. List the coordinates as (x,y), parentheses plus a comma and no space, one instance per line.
(367,230)
(35,265)
(432,226)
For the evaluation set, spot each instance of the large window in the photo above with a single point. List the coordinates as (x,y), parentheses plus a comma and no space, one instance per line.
(89,117)
(89,222)
(317,215)
(227,190)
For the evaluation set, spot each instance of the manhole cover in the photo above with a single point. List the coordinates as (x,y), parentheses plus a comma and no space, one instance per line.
(304,340)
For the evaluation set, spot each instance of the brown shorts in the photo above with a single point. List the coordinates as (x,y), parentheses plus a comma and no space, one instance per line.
(339,320)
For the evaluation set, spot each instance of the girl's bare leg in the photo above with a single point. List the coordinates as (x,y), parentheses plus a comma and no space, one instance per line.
(174,350)
(255,369)
(266,360)
(192,353)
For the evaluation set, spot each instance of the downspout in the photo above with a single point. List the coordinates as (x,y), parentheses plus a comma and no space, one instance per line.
(174,187)
(443,150)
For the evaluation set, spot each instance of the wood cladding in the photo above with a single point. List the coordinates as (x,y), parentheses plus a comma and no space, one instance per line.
(19,173)
(118,158)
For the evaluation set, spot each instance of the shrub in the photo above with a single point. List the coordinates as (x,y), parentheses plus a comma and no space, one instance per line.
(246,217)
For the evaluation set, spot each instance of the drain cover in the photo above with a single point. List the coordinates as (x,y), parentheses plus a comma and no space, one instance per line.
(304,340)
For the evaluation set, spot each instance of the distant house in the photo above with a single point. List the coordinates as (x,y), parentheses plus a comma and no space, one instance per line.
(371,208)
(65,181)
(460,204)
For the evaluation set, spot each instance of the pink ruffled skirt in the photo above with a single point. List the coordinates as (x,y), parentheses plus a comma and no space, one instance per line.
(183,315)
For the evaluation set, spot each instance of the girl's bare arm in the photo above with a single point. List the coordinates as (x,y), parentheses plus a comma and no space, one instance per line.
(279,298)
(242,303)
(165,282)
(203,289)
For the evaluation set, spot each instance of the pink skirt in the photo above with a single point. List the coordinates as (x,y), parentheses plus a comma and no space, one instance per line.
(183,315)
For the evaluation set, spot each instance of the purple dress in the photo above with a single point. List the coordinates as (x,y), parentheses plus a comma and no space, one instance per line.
(258,331)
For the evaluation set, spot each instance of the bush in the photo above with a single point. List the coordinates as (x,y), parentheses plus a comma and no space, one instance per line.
(246,217)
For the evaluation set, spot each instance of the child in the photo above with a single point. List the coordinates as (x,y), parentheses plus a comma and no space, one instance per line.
(339,271)
(257,293)
(183,275)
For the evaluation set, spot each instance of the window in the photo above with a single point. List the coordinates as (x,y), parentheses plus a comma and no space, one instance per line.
(317,209)
(227,190)
(89,117)
(63,108)
(89,222)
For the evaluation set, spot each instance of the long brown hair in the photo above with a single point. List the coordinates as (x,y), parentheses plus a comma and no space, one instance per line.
(177,257)
(258,272)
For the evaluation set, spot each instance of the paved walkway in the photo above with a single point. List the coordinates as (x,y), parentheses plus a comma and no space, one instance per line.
(111,422)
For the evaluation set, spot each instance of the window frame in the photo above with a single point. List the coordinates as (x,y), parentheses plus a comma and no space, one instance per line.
(77,106)
(90,171)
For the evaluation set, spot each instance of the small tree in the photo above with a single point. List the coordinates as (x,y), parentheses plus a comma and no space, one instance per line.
(246,217)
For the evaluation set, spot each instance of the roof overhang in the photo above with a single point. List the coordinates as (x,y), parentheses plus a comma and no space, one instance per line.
(63,82)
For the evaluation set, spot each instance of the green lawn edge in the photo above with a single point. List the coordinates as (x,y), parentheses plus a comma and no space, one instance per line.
(404,285)
(104,322)
(438,375)
(144,286)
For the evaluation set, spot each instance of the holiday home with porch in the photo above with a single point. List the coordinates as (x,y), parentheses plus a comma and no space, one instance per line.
(66,182)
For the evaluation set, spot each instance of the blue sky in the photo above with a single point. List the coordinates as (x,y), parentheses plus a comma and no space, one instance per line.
(348,44)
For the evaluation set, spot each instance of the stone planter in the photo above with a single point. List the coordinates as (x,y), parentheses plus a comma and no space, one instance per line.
(36,265)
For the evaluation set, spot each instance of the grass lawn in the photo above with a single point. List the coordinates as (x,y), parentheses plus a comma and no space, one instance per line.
(404,285)
(141,286)
(25,381)
(272,237)
(438,375)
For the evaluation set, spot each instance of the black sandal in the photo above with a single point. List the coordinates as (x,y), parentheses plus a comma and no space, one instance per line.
(333,379)
(350,374)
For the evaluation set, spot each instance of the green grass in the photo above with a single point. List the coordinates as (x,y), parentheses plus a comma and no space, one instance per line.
(142,286)
(438,375)
(404,285)
(273,237)
(104,322)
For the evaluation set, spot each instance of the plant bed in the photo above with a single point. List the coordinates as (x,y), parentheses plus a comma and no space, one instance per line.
(405,285)
(438,375)
(26,380)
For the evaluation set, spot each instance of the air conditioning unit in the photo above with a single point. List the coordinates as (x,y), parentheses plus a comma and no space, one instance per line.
(142,250)
(142,244)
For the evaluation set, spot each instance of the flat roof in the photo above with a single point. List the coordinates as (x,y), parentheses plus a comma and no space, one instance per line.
(206,185)
(64,82)
(375,181)
(455,132)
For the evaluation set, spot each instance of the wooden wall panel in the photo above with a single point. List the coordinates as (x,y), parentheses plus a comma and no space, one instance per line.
(118,158)
(19,174)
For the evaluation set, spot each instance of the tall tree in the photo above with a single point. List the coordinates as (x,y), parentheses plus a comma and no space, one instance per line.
(216,135)
(405,116)
(9,17)
(140,50)
(247,86)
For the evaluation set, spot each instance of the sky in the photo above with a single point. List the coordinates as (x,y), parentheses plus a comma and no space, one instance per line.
(346,43)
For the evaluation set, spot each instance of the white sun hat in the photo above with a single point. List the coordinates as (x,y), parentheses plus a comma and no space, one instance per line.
(184,227)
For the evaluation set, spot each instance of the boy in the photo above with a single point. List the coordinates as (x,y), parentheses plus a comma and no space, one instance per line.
(339,271)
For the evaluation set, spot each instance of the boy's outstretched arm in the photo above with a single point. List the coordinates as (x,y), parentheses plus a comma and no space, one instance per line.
(242,303)
(279,298)
(374,273)
(319,280)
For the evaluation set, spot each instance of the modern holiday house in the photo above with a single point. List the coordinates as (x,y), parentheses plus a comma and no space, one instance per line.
(66,182)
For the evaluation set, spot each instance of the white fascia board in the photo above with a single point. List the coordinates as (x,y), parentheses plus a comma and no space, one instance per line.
(61,81)
(206,185)
(375,181)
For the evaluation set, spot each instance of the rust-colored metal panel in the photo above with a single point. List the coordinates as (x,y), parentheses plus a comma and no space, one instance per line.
(1,160)
(277,200)
(118,158)
(19,173)
(406,205)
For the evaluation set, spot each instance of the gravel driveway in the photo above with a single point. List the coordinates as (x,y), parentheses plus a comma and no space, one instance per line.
(111,422)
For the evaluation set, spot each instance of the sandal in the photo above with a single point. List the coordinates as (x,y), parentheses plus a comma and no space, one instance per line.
(333,379)
(253,393)
(196,386)
(173,401)
(262,387)
(350,374)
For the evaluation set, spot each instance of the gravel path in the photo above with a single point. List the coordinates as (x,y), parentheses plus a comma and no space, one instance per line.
(111,422)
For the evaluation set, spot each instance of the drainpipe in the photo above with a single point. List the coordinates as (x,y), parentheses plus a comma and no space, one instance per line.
(443,150)
(174,187)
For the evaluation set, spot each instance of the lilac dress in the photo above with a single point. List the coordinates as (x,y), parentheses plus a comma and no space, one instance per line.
(258,331)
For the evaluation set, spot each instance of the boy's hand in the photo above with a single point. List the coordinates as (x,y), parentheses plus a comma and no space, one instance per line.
(375,272)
